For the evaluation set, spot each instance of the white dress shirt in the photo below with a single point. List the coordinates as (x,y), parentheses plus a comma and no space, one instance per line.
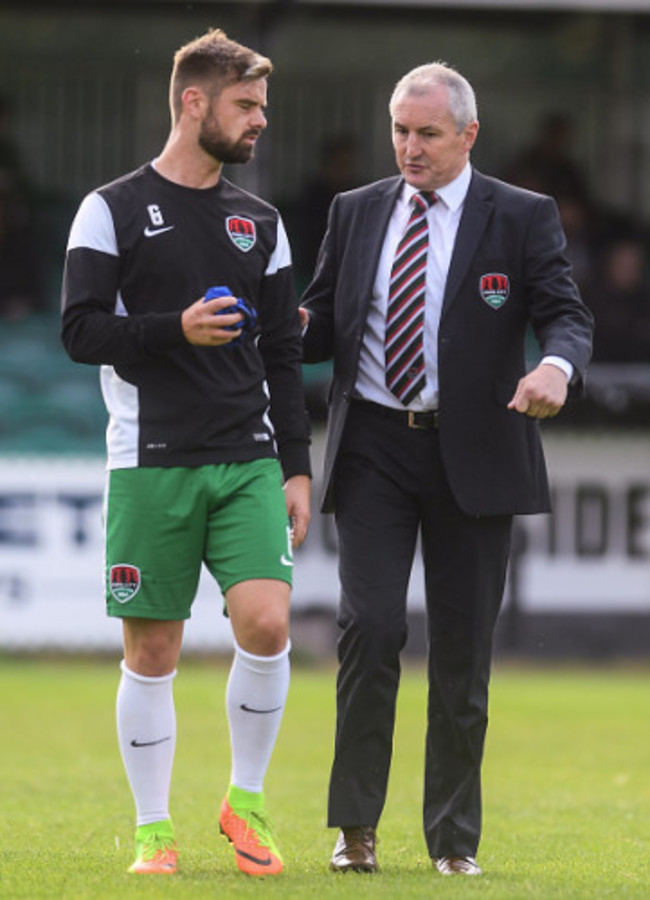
(443,219)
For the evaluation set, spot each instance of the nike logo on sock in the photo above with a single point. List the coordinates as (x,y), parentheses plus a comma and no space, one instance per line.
(251,709)
(136,743)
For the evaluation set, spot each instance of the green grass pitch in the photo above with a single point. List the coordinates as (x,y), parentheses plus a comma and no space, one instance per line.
(566,789)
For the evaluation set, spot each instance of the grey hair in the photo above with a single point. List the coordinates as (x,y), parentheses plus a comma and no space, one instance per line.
(420,81)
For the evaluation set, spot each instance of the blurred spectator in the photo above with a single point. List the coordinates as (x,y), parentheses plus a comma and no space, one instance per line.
(582,224)
(337,172)
(547,164)
(608,253)
(19,283)
(619,297)
(11,163)
(20,252)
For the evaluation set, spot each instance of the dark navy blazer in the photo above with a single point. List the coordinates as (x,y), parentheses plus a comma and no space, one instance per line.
(508,271)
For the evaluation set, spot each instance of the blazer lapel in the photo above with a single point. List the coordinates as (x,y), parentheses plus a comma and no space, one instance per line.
(373,223)
(476,212)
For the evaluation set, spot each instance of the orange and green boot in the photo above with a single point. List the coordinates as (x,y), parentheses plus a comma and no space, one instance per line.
(155,849)
(245,822)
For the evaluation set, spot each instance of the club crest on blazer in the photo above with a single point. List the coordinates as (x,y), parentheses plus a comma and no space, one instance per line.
(494,288)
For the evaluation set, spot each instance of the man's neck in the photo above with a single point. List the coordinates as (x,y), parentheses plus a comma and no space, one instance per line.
(188,166)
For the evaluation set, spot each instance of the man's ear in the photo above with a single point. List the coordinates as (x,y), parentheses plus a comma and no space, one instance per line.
(195,102)
(471,132)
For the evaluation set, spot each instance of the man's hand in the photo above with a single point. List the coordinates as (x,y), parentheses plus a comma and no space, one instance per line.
(304,317)
(541,393)
(296,492)
(203,327)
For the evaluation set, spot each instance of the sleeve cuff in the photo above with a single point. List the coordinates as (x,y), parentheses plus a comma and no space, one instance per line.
(165,331)
(294,459)
(560,363)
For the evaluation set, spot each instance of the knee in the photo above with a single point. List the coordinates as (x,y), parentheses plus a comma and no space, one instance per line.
(259,614)
(152,650)
(150,659)
(371,635)
(267,634)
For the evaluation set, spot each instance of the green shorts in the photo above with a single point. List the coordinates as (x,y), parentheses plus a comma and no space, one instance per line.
(162,524)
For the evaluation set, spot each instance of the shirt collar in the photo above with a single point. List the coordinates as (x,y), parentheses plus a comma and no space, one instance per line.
(452,194)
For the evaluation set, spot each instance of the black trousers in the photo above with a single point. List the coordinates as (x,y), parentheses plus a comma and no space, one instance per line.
(390,486)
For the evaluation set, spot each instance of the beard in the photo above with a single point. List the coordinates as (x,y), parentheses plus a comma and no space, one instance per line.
(215,145)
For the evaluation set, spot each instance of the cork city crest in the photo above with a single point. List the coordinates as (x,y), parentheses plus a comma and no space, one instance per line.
(494,288)
(241,232)
(124,581)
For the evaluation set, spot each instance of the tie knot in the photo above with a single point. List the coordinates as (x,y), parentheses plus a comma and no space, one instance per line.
(424,199)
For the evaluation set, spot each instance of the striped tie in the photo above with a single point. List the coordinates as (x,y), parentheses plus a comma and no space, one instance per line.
(405,375)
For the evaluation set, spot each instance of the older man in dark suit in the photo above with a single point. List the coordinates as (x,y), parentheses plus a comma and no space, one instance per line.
(423,292)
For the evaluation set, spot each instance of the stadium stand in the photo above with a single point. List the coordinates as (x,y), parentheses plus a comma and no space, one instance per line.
(48,404)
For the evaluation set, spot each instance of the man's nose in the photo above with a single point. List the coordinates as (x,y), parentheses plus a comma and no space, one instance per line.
(412,146)
(259,119)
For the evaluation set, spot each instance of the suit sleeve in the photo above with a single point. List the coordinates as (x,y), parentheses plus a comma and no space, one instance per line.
(318,339)
(562,323)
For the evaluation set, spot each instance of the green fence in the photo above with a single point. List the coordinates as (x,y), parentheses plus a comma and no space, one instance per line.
(48,404)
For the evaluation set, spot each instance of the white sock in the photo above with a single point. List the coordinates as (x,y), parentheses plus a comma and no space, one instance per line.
(146,730)
(255,697)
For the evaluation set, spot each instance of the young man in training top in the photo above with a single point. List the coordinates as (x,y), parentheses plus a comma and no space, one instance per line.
(208,438)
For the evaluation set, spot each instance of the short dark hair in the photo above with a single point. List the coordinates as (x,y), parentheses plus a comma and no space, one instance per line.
(213,62)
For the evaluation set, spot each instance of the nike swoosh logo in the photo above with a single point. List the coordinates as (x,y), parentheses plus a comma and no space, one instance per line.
(153,232)
(255,859)
(260,712)
(136,743)
(285,561)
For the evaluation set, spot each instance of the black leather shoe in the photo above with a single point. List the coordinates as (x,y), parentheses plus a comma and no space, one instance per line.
(355,850)
(457,865)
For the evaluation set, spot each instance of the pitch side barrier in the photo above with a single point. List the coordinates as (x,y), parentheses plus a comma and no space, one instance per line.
(588,562)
